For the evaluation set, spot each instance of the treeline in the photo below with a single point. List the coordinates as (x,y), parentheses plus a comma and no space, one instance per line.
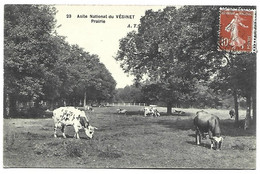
(40,66)
(202,97)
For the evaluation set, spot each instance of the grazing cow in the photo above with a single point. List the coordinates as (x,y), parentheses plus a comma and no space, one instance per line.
(121,111)
(70,116)
(88,108)
(178,112)
(156,112)
(151,112)
(205,122)
(232,113)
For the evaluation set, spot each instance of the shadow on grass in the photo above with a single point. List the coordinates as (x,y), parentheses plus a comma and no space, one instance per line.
(177,114)
(203,141)
(202,144)
(181,124)
(33,136)
(227,127)
(59,136)
(132,113)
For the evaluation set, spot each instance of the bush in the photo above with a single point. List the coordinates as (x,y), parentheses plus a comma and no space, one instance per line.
(32,112)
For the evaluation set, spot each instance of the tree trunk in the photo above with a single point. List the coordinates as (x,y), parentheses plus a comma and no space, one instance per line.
(236,108)
(254,109)
(51,104)
(248,113)
(248,106)
(12,106)
(37,103)
(85,99)
(169,108)
(254,102)
(7,106)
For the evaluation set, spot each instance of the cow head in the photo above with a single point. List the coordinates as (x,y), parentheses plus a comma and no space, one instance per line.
(216,142)
(89,130)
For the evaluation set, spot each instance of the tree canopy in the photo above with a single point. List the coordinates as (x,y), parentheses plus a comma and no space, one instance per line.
(173,48)
(41,65)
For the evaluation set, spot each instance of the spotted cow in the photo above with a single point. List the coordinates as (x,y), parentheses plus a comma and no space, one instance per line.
(71,116)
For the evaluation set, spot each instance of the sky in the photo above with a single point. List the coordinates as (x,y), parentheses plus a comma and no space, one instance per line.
(101,38)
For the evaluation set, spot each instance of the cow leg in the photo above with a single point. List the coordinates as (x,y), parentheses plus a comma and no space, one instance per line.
(210,134)
(212,144)
(76,135)
(198,137)
(220,144)
(63,131)
(76,132)
(212,141)
(55,131)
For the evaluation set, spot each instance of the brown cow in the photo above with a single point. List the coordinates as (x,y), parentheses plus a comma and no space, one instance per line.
(208,123)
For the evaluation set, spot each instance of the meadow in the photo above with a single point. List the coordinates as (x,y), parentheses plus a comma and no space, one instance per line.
(128,141)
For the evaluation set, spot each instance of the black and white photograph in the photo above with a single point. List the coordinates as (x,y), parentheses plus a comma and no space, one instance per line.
(129,86)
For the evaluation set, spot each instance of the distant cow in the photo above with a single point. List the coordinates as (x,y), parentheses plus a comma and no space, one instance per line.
(232,113)
(70,116)
(121,111)
(88,108)
(151,112)
(207,123)
(178,112)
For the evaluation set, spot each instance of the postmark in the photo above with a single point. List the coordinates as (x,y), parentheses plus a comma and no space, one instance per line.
(237,30)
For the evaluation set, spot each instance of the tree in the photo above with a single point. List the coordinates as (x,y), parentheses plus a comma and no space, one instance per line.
(92,81)
(58,79)
(238,77)
(40,65)
(131,94)
(27,51)
(173,49)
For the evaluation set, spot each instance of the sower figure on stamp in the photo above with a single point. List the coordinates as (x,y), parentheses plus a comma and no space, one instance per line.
(232,27)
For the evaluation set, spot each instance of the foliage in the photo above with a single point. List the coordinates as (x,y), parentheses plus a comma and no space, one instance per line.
(40,65)
(172,50)
(27,51)
(238,73)
(130,94)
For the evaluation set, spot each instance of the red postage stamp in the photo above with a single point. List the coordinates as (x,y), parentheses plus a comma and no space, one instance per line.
(237,30)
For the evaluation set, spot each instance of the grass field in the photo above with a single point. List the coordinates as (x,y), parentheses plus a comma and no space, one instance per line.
(128,141)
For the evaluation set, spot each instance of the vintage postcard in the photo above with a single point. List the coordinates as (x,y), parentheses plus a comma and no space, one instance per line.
(129,86)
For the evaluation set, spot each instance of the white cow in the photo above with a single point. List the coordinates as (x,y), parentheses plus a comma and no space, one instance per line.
(121,111)
(151,112)
(70,116)
(88,108)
